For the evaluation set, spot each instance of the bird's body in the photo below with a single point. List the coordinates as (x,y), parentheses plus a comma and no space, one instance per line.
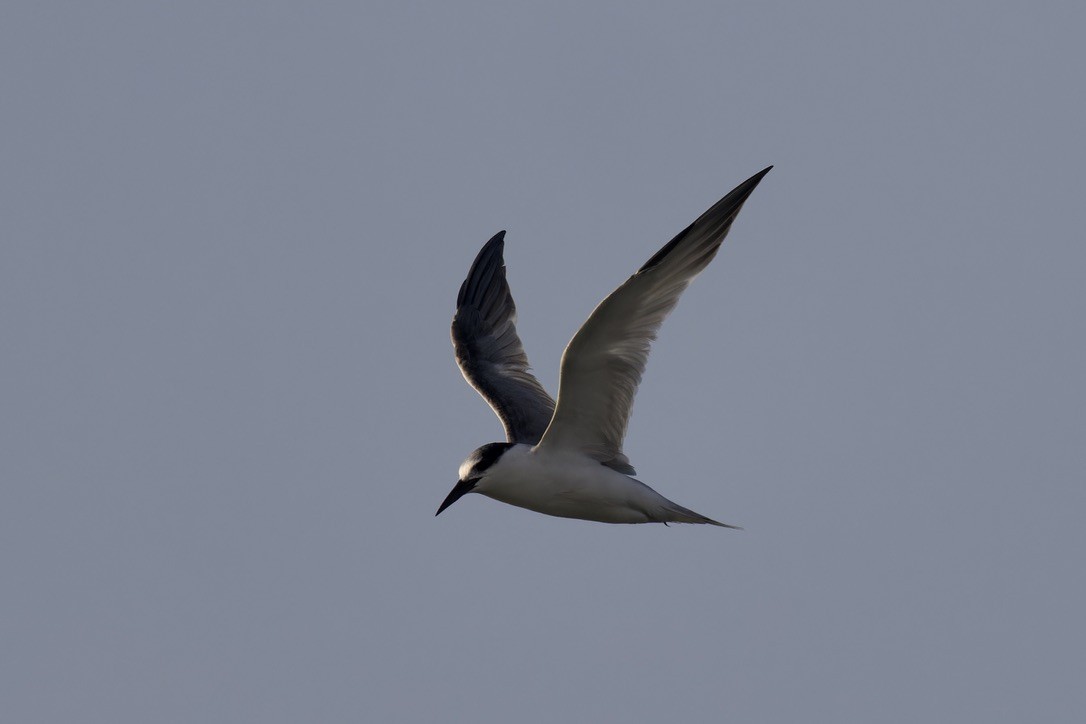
(568,484)
(565,458)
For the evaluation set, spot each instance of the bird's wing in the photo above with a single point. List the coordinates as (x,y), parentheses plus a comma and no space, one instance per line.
(490,353)
(603,363)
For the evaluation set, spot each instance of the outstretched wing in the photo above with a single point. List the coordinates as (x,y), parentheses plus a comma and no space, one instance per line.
(603,363)
(490,353)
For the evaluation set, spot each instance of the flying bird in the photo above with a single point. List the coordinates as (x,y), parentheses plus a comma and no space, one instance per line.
(565,459)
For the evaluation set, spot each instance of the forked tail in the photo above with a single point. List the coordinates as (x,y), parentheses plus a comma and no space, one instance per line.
(677,514)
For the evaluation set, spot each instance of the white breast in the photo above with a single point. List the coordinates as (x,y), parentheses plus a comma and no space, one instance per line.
(570,485)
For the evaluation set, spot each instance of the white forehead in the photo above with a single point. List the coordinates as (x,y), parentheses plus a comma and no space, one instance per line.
(482,459)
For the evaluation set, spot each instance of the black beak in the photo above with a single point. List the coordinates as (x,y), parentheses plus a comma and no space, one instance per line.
(462,488)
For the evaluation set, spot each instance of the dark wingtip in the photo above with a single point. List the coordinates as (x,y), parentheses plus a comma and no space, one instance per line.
(757,178)
(489,259)
(498,240)
(727,207)
(744,189)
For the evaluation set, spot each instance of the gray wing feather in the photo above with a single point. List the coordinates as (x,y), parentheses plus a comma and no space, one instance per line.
(603,363)
(489,352)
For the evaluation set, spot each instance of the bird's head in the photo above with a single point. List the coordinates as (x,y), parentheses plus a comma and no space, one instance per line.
(474,470)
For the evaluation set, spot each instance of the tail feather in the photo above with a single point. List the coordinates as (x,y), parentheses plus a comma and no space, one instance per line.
(675,513)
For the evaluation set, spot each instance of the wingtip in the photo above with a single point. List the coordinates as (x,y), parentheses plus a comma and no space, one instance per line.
(489,261)
(754,180)
(719,216)
(497,240)
(735,199)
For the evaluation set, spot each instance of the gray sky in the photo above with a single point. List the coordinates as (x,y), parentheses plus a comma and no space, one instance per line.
(232,236)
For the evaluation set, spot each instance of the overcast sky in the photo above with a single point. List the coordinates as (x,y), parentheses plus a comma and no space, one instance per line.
(230,243)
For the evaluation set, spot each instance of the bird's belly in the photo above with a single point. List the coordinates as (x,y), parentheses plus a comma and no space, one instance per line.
(599,494)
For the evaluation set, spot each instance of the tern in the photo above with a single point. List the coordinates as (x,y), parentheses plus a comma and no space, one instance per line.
(565,459)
